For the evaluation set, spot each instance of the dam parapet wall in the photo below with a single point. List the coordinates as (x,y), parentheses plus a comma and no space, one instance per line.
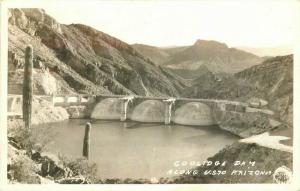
(237,117)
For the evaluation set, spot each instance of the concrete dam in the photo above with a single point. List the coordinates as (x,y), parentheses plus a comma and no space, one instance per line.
(184,111)
(193,113)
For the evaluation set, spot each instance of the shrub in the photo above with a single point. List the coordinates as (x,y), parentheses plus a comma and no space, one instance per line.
(24,170)
(81,167)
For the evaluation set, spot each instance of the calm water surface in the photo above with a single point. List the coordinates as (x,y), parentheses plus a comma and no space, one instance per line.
(135,150)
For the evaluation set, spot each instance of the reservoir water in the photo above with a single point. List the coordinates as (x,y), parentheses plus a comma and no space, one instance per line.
(132,149)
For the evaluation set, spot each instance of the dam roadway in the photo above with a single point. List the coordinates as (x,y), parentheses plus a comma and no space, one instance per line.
(127,102)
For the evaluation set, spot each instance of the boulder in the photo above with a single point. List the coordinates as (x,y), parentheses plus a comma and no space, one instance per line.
(244,124)
(52,167)
(35,14)
(74,180)
(77,112)
(19,18)
(38,64)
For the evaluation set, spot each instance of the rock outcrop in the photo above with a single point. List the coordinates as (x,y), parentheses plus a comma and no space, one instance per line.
(270,82)
(273,81)
(43,111)
(86,59)
(246,124)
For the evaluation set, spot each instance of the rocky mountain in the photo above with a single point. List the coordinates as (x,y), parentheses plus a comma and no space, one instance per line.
(84,59)
(191,74)
(271,81)
(158,55)
(217,57)
(188,61)
(77,58)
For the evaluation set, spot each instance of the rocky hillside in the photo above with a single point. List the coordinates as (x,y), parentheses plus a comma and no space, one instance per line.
(188,61)
(265,161)
(272,81)
(77,58)
(215,55)
(158,55)
(84,59)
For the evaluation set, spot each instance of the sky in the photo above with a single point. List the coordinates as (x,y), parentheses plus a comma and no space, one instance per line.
(177,23)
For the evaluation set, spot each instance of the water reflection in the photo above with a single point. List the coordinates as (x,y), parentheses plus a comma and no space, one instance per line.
(137,150)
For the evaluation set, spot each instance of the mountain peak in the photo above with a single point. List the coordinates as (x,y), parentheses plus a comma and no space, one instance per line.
(210,44)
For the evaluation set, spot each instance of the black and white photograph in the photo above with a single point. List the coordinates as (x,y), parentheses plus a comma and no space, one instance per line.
(150,92)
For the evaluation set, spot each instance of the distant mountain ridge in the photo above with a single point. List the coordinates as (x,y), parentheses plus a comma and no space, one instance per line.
(215,56)
(158,55)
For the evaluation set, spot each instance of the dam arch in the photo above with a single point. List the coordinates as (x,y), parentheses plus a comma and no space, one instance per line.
(149,111)
(108,108)
(194,113)
(154,111)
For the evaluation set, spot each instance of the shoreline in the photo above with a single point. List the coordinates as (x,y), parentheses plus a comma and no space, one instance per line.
(173,179)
